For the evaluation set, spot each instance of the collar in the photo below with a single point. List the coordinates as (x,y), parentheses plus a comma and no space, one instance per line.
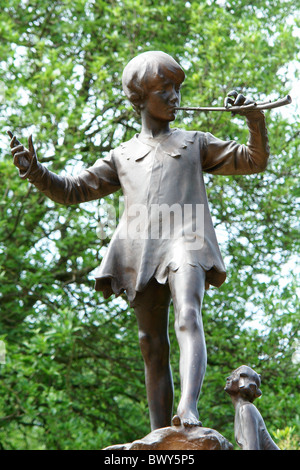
(172,145)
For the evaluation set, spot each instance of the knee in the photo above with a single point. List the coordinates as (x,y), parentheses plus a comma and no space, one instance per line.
(188,319)
(154,348)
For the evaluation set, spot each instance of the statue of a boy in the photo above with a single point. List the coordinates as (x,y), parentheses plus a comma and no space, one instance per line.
(160,167)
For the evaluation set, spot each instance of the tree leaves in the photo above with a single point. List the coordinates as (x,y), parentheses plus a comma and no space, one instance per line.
(73,376)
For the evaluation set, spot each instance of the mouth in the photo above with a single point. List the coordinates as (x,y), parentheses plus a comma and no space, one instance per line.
(173,109)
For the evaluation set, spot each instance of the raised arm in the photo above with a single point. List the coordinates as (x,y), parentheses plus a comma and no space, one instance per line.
(231,158)
(95,182)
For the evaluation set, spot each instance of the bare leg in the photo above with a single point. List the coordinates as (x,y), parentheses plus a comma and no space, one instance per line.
(187,287)
(152,308)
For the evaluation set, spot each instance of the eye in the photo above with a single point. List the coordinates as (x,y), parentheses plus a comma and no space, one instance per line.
(160,90)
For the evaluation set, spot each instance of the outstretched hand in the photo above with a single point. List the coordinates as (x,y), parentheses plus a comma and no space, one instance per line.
(23,157)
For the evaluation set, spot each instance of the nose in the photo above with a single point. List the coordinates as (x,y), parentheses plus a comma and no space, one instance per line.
(174,96)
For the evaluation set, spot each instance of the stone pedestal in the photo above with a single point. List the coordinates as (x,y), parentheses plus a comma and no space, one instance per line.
(178,438)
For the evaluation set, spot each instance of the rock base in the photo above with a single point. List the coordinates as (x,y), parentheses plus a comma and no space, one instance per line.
(178,438)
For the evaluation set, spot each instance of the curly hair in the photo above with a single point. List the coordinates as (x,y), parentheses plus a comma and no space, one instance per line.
(250,389)
(136,79)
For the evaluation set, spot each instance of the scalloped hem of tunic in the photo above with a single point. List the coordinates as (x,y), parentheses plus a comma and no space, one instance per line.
(108,285)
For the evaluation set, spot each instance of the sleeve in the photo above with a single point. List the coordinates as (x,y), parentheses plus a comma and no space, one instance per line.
(230,158)
(95,182)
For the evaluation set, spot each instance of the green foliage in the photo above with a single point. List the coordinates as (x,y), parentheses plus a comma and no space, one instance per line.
(287,439)
(73,376)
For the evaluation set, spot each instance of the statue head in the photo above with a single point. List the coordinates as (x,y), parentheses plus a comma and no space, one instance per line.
(142,69)
(245,382)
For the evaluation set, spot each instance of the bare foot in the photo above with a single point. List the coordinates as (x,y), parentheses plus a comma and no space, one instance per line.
(188,420)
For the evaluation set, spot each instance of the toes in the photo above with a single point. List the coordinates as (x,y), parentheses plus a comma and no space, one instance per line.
(189,423)
(176,421)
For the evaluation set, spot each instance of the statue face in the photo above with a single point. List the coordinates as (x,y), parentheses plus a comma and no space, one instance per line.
(245,381)
(232,384)
(162,98)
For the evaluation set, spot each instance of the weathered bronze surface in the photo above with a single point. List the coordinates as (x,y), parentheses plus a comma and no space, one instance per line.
(249,427)
(192,438)
(160,166)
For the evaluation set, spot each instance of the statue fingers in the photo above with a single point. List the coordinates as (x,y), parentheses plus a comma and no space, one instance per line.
(230,98)
(228,102)
(248,101)
(17,149)
(14,141)
(21,160)
(240,100)
(31,147)
(232,94)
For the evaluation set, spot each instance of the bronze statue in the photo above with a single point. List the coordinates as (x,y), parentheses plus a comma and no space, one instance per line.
(249,427)
(162,167)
